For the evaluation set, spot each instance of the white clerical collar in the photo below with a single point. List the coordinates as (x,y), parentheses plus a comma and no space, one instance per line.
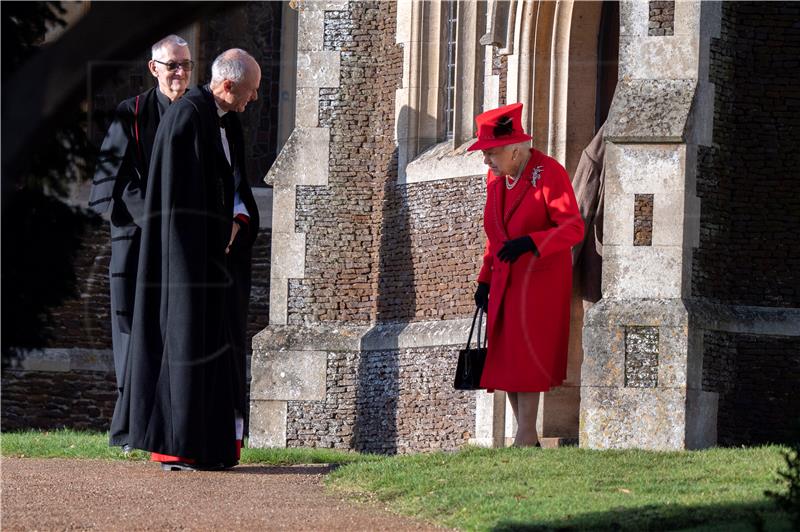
(220,112)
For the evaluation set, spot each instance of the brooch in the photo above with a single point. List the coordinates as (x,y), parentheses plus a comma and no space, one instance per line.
(537,174)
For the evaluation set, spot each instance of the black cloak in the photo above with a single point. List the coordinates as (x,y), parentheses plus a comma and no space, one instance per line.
(185,371)
(119,185)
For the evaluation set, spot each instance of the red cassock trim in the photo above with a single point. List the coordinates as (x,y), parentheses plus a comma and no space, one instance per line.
(158,457)
(529,301)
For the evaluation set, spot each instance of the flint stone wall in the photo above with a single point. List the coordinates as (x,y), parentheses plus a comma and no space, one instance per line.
(377,254)
(756,378)
(82,400)
(388,402)
(341,219)
(747,182)
(376,250)
(748,255)
(662,18)
(85,320)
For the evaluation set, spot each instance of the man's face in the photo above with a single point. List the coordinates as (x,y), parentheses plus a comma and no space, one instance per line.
(500,160)
(246,91)
(172,83)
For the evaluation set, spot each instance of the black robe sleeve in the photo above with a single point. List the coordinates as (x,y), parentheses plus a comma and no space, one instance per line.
(121,169)
(113,160)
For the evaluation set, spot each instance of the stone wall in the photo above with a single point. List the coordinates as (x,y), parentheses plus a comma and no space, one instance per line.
(431,249)
(339,219)
(643,220)
(376,249)
(748,254)
(756,378)
(386,402)
(84,321)
(377,255)
(258,317)
(750,206)
(662,18)
(81,400)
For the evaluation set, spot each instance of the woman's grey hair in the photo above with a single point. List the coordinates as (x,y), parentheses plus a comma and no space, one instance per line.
(155,51)
(231,65)
(524,145)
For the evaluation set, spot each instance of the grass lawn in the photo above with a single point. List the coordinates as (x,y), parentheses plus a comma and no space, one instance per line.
(65,443)
(575,489)
(521,489)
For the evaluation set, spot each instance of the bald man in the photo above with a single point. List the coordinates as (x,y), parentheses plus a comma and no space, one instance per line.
(120,179)
(184,394)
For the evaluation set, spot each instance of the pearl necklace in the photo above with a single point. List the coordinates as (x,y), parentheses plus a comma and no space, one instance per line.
(511,182)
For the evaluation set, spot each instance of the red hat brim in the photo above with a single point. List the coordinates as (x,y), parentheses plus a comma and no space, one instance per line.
(485,144)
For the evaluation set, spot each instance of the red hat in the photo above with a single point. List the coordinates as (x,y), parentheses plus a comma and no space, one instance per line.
(500,127)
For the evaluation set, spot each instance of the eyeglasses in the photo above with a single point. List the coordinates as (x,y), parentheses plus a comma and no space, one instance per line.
(173,65)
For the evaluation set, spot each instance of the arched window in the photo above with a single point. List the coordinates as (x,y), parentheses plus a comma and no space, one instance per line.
(442,86)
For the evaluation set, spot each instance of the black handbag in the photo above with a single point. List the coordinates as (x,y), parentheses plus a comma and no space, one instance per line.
(471,360)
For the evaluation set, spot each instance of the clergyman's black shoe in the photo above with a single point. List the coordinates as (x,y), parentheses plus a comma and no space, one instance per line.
(178,466)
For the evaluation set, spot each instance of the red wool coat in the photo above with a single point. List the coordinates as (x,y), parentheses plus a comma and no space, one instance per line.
(529,300)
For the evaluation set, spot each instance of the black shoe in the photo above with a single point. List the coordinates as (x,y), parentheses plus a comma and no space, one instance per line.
(178,466)
(183,466)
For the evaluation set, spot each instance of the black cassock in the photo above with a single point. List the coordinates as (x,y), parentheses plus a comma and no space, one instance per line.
(185,373)
(119,184)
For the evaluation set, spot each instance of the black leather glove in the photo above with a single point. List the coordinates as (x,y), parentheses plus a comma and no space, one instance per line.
(482,296)
(512,249)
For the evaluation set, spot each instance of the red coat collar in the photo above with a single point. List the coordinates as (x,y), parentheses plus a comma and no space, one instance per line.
(496,191)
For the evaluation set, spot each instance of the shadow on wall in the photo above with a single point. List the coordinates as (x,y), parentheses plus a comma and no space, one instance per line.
(747,187)
(753,375)
(378,387)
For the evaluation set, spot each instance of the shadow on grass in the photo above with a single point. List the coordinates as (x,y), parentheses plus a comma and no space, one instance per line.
(255,469)
(719,518)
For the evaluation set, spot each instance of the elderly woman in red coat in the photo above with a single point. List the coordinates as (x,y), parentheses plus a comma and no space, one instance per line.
(531,221)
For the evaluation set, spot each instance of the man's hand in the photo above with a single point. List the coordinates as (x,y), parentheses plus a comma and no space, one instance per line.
(234,232)
(512,249)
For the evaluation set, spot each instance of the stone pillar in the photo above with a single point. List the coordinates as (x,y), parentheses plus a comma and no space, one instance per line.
(641,379)
(277,374)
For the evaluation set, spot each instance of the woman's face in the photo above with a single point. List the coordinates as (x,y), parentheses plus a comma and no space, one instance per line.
(502,160)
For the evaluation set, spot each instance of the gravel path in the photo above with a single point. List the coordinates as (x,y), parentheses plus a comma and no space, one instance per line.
(58,494)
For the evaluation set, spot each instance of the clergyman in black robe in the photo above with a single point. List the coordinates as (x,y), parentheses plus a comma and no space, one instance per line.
(120,179)
(184,387)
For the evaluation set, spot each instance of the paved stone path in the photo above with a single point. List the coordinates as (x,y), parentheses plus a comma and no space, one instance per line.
(59,494)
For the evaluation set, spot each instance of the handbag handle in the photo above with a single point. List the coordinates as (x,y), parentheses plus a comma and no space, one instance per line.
(479,316)
(467,362)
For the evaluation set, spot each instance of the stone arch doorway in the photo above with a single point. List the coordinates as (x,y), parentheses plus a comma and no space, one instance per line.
(564,68)
(592,78)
